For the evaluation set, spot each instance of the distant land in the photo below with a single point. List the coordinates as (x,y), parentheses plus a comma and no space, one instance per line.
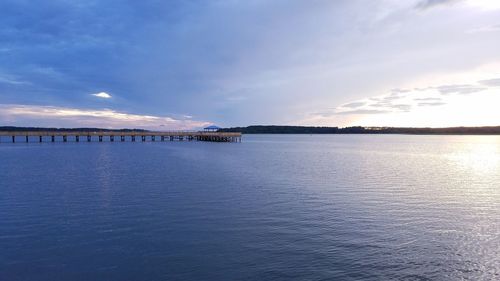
(273,129)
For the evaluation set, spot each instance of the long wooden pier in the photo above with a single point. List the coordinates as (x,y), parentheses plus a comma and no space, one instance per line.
(118,136)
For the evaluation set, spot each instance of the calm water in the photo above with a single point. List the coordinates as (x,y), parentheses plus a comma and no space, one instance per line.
(342,207)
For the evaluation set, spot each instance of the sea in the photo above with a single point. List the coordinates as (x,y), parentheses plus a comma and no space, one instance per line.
(273,207)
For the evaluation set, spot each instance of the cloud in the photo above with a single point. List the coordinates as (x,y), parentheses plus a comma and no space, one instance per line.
(354,104)
(459,89)
(385,104)
(431,103)
(427,4)
(102,95)
(490,82)
(394,101)
(401,107)
(402,100)
(71,117)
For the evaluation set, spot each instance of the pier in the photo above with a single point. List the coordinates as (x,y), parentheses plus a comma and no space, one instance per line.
(116,136)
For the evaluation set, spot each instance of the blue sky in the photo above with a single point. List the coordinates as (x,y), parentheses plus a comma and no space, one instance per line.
(186,64)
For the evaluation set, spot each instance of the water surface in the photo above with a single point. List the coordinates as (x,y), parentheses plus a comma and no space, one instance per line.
(274,207)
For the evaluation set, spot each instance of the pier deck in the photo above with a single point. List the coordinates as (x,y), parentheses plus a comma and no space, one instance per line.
(77,136)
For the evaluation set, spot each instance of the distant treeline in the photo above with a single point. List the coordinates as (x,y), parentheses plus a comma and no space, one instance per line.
(38,129)
(273,129)
(364,130)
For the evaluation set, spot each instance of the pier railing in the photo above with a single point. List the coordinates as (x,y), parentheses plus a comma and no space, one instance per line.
(112,136)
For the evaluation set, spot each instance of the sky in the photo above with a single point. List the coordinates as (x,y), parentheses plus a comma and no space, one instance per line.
(183,65)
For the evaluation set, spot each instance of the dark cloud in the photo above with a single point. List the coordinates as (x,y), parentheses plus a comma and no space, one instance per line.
(459,89)
(427,4)
(388,104)
(382,106)
(491,82)
(354,104)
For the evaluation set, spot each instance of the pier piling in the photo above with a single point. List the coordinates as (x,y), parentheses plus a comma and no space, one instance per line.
(174,135)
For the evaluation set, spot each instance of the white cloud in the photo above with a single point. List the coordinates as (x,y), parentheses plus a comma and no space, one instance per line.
(37,115)
(102,95)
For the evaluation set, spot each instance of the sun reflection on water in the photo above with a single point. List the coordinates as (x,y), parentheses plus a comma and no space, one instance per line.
(479,155)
